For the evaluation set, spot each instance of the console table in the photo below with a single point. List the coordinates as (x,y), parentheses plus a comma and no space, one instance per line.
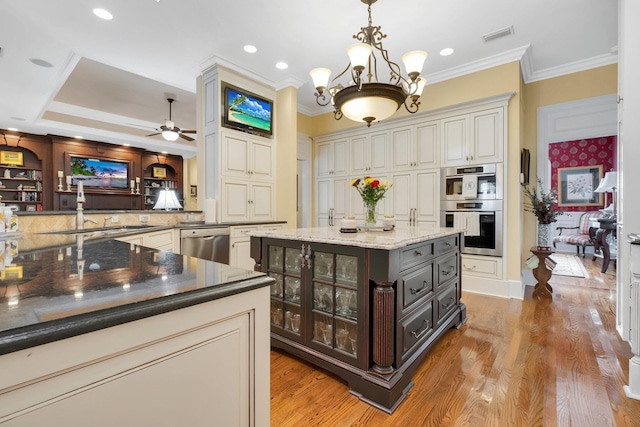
(542,273)
(607,227)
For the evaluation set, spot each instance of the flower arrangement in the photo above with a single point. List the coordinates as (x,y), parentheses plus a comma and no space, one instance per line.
(543,205)
(371,190)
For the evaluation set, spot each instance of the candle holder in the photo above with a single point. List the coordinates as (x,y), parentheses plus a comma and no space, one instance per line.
(69,184)
(133,191)
(137,187)
(60,188)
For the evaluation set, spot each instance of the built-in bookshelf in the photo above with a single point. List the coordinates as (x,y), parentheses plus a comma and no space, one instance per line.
(22,186)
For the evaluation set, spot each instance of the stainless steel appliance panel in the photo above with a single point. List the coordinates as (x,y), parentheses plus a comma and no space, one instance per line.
(206,243)
(489,242)
(490,181)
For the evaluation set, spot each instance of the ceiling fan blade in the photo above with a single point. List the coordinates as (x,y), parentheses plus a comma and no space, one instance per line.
(154,134)
(188,131)
(187,138)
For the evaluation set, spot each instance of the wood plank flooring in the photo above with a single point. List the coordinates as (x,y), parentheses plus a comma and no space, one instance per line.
(514,363)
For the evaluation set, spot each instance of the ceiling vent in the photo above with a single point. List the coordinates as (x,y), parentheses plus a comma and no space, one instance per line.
(497,34)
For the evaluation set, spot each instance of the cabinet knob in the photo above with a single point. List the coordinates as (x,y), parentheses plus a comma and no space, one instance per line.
(417,253)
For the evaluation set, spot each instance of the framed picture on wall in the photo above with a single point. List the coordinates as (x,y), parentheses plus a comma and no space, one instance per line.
(13,158)
(576,186)
(159,172)
(194,191)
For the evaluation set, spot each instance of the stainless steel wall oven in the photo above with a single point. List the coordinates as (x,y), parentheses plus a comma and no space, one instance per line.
(472,200)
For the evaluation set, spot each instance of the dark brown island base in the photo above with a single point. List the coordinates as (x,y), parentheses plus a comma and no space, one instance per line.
(366,306)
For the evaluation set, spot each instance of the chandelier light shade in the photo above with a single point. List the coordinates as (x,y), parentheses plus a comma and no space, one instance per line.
(365,98)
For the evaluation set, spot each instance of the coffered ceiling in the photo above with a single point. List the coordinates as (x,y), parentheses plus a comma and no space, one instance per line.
(108,80)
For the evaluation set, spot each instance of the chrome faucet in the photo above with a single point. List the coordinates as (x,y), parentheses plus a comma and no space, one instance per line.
(106,220)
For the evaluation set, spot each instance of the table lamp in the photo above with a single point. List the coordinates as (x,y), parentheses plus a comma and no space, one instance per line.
(608,185)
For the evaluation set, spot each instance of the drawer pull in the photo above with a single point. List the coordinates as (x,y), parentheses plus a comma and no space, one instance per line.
(451,304)
(422,330)
(466,267)
(447,244)
(415,291)
(417,253)
(448,271)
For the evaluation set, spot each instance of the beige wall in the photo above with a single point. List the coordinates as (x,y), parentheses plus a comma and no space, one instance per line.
(572,87)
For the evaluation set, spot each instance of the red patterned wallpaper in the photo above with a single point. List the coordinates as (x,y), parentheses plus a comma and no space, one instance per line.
(584,152)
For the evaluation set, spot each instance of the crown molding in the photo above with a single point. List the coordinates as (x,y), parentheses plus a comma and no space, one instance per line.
(570,68)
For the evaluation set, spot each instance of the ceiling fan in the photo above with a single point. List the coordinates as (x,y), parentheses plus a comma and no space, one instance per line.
(169,131)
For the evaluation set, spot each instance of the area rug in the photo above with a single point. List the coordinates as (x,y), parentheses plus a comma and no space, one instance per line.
(568,265)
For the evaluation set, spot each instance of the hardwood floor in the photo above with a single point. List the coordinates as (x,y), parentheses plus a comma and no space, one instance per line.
(514,363)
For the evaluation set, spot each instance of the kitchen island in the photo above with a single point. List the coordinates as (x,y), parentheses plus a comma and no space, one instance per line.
(95,331)
(366,306)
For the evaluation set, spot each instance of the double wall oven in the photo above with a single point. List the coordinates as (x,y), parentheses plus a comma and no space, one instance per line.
(472,199)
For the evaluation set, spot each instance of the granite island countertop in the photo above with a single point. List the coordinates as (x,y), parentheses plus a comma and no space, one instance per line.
(388,240)
(73,286)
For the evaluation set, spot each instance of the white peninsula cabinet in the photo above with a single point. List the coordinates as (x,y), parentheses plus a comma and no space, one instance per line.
(474,138)
(240,243)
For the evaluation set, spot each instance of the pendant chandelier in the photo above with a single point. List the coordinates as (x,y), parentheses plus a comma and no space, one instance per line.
(366,99)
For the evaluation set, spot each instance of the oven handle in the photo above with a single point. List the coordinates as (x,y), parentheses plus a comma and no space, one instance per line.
(469,174)
(472,210)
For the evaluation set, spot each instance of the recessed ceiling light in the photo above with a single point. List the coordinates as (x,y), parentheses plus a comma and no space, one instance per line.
(282,65)
(250,48)
(165,152)
(102,13)
(78,137)
(41,62)
(13,129)
(126,145)
(446,51)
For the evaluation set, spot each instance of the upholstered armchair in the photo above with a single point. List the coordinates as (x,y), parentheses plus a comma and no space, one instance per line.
(581,237)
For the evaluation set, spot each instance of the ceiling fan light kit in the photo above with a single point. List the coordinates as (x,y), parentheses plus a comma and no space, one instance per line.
(365,98)
(169,131)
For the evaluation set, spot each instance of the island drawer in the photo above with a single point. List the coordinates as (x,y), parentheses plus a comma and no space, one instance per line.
(416,284)
(415,328)
(446,300)
(446,268)
(414,255)
(446,244)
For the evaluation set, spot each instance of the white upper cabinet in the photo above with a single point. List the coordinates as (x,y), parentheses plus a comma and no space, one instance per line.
(247,201)
(246,157)
(475,138)
(415,147)
(369,154)
(332,158)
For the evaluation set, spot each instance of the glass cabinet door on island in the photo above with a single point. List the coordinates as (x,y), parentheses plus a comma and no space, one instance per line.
(317,297)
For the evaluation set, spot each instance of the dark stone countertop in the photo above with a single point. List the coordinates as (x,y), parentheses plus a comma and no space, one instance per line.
(80,286)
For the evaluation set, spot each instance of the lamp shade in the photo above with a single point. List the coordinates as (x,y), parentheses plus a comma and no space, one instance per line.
(359,55)
(167,200)
(413,61)
(320,77)
(608,183)
(373,102)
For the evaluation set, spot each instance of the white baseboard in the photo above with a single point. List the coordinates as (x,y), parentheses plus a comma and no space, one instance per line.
(493,287)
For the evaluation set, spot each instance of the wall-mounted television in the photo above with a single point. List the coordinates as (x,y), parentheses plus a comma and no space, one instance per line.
(99,172)
(246,111)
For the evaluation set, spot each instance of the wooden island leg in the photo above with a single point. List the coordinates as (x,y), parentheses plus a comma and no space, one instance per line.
(383,321)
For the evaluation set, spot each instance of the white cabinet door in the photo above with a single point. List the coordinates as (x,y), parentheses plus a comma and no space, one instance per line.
(244,201)
(401,195)
(262,160)
(427,197)
(341,199)
(360,149)
(261,202)
(332,158)
(240,254)
(247,157)
(455,141)
(402,149)
(378,154)
(427,144)
(487,136)
(332,201)
(235,155)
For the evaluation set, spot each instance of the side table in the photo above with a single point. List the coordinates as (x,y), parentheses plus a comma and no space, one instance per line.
(542,273)
(607,226)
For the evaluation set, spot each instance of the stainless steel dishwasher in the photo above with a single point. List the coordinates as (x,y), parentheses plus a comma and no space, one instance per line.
(206,243)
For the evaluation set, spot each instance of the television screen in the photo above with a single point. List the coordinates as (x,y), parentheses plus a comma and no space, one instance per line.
(99,173)
(246,111)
